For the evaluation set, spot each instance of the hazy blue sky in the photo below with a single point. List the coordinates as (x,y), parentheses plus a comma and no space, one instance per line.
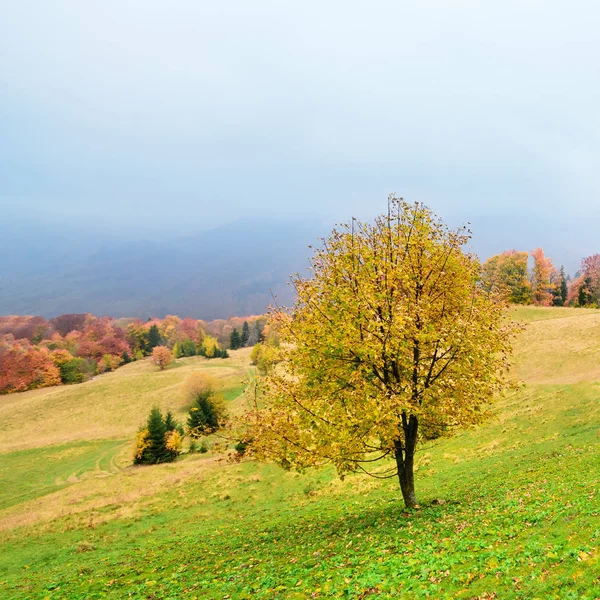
(183,114)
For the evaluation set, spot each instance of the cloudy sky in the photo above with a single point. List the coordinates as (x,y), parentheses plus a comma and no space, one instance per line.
(187,114)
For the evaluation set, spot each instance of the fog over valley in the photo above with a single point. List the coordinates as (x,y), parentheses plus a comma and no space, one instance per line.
(137,139)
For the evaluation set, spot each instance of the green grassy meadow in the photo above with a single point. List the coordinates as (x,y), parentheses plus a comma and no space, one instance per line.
(508,510)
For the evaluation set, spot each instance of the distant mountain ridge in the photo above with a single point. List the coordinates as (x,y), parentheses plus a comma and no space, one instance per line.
(219,273)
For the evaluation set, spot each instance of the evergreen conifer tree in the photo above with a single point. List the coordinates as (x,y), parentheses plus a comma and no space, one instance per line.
(170,422)
(560,291)
(245,334)
(154,338)
(156,451)
(564,288)
(206,414)
(235,341)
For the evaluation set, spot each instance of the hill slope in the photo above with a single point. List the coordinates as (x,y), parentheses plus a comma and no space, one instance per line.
(509,510)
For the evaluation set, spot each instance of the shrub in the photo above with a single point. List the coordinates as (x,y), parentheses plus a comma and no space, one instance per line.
(241,447)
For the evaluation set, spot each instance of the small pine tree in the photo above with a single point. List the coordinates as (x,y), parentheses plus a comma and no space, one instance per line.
(560,291)
(154,338)
(235,341)
(245,334)
(206,415)
(160,441)
(156,451)
(170,422)
(564,288)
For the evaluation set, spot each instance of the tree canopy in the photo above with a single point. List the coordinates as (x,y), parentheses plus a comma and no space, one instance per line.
(161,357)
(393,339)
(507,273)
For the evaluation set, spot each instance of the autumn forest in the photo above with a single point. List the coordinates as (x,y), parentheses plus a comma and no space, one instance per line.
(72,348)
(36,353)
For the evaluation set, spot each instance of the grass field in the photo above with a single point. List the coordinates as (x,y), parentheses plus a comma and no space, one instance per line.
(508,510)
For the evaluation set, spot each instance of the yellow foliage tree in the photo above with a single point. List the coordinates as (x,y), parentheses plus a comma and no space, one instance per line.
(507,273)
(173,442)
(210,346)
(392,340)
(142,441)
(169,329)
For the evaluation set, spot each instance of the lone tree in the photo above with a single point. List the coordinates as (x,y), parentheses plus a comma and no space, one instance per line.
(161,357)
(392,340)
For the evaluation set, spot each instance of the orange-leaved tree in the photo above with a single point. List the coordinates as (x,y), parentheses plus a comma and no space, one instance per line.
(392,340)
(161,357)
(23,367)
(585,289)
(544,278)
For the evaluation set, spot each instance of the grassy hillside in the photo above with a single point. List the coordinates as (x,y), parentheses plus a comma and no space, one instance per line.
(111,406)
(509,510)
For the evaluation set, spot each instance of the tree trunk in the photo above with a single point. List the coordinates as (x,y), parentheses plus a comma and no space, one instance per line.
(405,455)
